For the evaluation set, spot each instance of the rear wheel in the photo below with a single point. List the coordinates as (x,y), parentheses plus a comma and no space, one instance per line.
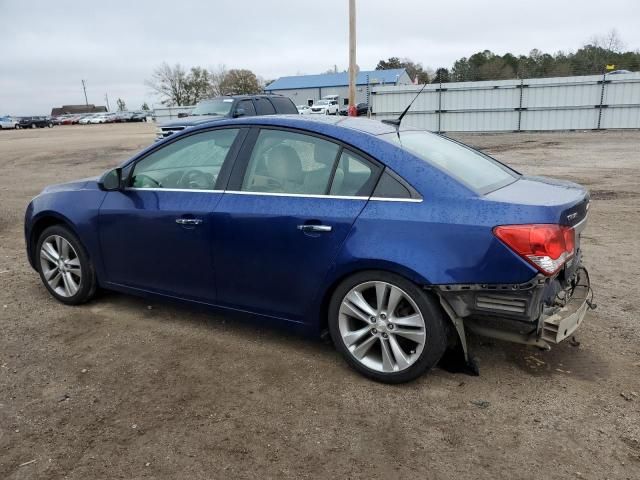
(64,266)
(386,327)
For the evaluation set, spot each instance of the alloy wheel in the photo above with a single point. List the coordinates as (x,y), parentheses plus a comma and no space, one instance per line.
(382,326)
(60,266)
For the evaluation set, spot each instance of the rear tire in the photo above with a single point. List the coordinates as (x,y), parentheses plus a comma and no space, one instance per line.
(64,266)
(394,342)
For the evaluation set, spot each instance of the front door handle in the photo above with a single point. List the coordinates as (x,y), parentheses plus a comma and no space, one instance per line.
(189,221)
(314,228)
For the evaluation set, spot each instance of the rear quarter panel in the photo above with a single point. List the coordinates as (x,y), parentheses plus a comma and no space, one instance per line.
(446,241)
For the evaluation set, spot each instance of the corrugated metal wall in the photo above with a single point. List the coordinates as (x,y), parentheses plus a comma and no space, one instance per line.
(563,103)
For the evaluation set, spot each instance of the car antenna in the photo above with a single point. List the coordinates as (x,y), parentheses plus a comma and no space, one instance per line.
(397,121)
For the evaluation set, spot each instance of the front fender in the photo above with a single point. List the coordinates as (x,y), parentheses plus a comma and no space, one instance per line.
(77,209)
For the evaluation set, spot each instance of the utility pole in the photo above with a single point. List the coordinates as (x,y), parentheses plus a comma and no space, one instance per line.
(352,58)
(84,87)
(106,98)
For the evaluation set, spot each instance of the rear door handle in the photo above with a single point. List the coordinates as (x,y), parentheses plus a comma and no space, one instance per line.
(189,221)
(314,228)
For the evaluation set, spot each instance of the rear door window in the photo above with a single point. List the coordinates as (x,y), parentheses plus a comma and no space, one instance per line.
(284,105)
(354,176)
(264,107)
(291,163)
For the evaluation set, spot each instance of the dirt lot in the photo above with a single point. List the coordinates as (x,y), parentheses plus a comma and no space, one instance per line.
(120,388)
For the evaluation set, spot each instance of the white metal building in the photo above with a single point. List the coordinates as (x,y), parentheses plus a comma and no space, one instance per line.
(305,89)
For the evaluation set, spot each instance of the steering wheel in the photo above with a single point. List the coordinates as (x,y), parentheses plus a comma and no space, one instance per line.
(146,181)
(196,179)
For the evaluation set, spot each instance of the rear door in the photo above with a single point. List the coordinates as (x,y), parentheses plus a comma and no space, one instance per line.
(157,234)
(288,208)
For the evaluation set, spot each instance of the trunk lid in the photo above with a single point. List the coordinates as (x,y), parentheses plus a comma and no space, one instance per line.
(566,203)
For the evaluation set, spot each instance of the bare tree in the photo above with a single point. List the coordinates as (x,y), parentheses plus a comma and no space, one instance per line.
(611,41)
(170,83)
(121,105)
(217,76)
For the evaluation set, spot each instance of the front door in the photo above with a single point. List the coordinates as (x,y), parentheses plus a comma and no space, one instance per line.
(157,234)
(290,205)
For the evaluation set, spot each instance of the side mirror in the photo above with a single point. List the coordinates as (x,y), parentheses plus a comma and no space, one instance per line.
(182,115)
(239,113)
(111,181)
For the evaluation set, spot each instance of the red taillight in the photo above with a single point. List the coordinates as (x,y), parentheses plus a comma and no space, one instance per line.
(545,246)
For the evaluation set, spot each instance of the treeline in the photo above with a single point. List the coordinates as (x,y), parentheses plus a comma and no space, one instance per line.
(178,86)
(591,59)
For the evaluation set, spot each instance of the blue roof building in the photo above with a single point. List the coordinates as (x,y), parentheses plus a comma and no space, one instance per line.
(305,89)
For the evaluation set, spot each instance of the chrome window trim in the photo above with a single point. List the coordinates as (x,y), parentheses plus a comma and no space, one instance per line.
(275,194)
(300,195)
(391,199)
(157,189)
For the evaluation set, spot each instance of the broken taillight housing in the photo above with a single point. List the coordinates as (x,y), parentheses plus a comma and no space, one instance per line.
(547,247)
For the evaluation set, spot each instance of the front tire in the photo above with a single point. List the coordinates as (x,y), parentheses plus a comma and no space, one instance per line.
(386,327)
(64,266)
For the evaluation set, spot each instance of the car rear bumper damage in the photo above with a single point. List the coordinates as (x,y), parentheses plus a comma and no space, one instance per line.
(542,312)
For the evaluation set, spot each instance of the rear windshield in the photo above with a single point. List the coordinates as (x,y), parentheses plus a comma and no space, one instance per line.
(478,171)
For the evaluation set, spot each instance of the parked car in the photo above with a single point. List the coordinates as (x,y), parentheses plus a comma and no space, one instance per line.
(139,117)
(33,122)
(98,118)
(86,119)
(7,123)
(303,109)
(71,119)
(327,106)
(396,241)
(362,109)
(220,108)
(122,117)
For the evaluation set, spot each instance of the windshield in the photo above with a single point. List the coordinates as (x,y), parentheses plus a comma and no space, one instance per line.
(219,106)
(478,171)
(322,102)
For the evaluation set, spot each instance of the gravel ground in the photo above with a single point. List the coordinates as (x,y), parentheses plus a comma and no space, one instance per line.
(124,388)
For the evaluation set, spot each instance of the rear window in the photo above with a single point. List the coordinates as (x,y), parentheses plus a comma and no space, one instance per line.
(283,105)
(476,170)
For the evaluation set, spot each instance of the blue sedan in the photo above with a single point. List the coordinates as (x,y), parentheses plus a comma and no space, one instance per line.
(396,241)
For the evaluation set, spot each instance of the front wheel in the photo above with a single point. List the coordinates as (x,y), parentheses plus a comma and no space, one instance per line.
(386,327)
(64,266)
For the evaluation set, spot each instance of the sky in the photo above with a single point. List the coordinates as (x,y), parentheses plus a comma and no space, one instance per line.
(47,47)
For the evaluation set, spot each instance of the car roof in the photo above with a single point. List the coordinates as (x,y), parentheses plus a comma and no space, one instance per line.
(244,96)
(317,124)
